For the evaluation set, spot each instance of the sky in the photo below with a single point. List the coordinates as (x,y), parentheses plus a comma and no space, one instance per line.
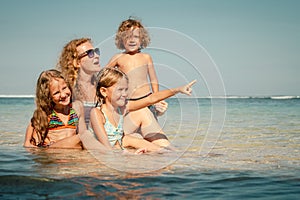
(232,47)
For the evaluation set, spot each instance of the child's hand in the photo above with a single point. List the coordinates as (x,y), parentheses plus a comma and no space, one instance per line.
(161,107)
(187,89)
(141,151)
(29,145)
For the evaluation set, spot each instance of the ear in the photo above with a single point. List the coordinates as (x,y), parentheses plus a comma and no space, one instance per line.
(76,63)
(103,91)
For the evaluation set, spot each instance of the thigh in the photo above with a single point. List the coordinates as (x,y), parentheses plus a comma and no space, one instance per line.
(145,123)
(141,121)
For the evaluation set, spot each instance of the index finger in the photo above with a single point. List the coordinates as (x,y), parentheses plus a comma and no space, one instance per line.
(192,83)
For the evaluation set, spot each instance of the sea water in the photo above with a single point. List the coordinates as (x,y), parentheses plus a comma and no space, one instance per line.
(227,148)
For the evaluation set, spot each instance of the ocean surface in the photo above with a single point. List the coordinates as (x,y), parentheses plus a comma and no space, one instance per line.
(227,148)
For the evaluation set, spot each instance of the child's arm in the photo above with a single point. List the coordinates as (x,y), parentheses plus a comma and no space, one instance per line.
(152,75)
(139,143)
(78,107)
(113,61)
(29,134)
(158,96)
(97,124)
(68,142)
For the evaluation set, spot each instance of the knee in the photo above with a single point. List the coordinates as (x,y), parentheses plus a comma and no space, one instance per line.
(155,136)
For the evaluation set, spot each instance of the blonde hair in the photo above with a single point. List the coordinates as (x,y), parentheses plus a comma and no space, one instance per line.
(107,77)
(127,25)
(68,60)
(44,103)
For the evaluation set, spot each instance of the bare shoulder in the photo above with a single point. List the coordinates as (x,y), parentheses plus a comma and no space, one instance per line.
(116,57)
(78,107)
(96,112)
(114,60)
(146,55)
(97,115)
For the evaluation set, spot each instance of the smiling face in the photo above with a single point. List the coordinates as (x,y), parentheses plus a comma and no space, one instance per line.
(60,92)
(116,95)
(131,40)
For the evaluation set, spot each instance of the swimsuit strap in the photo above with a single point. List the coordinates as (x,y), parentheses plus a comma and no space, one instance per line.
(135,99)
(73,119)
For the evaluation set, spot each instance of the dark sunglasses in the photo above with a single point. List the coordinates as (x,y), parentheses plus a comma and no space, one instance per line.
(90,53)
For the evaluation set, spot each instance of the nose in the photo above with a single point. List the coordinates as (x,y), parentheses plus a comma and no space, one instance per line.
(64,93)
(97,55)
(124,94)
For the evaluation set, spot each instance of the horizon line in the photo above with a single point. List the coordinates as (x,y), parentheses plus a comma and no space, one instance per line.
(205,97)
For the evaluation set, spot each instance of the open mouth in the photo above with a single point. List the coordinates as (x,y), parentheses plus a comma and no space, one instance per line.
(64,100)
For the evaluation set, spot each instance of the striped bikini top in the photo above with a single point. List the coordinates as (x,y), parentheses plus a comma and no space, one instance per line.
(55,122)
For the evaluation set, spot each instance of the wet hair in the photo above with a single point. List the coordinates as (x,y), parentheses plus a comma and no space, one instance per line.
(67,63)
(107,77)
(44,103)
(127,25)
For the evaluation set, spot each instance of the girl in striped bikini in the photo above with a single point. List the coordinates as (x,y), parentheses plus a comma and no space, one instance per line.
(56,121)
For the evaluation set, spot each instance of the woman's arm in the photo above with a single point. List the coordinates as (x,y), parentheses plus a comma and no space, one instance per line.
(97,124)
(158,96)
(78,107)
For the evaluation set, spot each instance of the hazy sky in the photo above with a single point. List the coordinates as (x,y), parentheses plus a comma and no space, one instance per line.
(254,45)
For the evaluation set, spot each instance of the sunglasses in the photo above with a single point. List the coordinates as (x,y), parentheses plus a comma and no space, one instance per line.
(90,53)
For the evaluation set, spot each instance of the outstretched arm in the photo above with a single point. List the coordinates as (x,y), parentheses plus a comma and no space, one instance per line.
(78,106)
(158,96)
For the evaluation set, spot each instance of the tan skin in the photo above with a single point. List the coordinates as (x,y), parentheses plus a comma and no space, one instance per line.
(88,67)
(115,98)
(139,66)
(67,137)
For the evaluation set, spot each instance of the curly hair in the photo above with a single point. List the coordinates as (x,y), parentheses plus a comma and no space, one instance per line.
(67,63)
(44,103)
(107,77)
(127,25)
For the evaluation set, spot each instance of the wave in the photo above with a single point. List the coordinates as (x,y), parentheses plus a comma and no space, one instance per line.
(228,97)
(16,96)
(279,97)
(285,97)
